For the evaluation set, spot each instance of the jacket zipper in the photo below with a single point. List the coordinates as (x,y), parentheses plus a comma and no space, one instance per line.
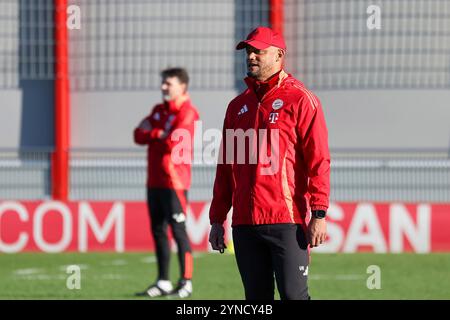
(252,192)
(253,178)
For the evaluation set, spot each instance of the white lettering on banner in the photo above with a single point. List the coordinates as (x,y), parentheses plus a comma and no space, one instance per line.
(334,231)
(23,237)
(116,216)
(400,223)
(38,233)
(401,227)
(198,229)
(365,216)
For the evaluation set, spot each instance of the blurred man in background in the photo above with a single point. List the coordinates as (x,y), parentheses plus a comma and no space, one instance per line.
(270,200)
(168,181)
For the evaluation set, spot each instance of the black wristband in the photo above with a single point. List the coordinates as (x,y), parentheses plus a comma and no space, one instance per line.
(319,214)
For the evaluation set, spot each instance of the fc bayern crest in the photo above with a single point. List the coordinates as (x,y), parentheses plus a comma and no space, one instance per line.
(277,104)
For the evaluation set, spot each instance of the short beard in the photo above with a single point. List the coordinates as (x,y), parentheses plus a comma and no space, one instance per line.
(253,75)
(258,74)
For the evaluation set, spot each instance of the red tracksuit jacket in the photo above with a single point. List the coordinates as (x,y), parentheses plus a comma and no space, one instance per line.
(302,177)
(162,172)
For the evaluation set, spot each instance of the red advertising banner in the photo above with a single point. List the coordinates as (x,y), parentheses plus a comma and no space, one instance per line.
(53,226)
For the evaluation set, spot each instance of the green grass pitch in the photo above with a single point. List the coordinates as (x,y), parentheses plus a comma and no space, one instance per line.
(119,276)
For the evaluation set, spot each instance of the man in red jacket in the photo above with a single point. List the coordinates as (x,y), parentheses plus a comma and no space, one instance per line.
(169,178)
(271,196)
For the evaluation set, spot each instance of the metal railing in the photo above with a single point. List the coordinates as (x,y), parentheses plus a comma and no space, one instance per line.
(25,174)
(124,44)
(390,175)
(332,48)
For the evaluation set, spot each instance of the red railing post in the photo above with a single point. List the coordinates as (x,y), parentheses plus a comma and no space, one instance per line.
(60,156)
(276,17)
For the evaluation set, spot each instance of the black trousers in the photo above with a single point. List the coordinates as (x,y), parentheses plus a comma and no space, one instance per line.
(263,251)
(168,207)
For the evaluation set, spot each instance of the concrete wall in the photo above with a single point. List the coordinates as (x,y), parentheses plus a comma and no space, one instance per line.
(356,119)
(365,119)
(107,120)
(387,118)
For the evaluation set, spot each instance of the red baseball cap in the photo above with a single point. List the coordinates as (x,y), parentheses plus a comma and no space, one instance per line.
(262,38)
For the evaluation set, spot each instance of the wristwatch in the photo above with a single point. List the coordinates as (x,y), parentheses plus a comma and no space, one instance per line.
(319,214)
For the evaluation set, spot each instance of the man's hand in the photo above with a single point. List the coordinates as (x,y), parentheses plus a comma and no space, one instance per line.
(163,134)
(216,237)
(317,231)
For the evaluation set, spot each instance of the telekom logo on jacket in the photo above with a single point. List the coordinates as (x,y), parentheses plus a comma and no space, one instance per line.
(273,117)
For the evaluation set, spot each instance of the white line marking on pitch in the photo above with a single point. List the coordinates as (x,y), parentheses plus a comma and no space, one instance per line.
(42,277)
(148,260)
(152,259)
(341,277)
(81,266)
(27,271)
(113,277)
(117,262)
